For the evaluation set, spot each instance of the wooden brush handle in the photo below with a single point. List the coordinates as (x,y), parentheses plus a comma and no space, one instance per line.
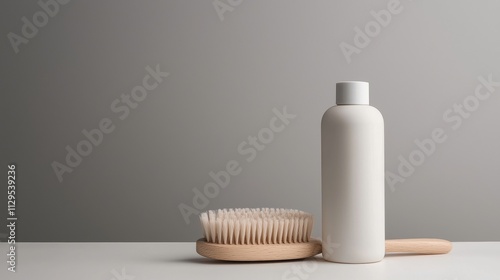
(271,252)
(428,246)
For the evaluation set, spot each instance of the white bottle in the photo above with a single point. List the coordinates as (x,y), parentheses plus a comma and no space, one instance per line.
(352,170)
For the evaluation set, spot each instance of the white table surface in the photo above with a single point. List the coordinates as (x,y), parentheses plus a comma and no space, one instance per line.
(148,261)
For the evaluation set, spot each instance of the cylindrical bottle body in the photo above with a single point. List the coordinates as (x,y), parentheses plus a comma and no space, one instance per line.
(352,163)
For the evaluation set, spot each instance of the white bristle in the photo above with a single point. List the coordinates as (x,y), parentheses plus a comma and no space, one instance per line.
(256,226)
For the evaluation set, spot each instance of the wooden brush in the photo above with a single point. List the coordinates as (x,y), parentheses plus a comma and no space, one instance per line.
(266,234)
(257,235)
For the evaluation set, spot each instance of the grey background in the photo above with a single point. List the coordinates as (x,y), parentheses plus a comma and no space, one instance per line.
(225,79)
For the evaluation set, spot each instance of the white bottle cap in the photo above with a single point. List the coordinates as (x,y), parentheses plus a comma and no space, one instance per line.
(353,92)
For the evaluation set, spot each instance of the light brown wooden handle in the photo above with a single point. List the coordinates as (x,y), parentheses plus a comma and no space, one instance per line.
(418,246)
(268,252)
